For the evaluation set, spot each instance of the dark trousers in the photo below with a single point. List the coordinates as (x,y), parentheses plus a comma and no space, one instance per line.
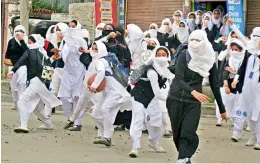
(124,118)
(185,119)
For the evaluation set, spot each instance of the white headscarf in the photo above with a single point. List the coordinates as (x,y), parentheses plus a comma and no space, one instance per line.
(22,28)
(85,34)
(254,42)
(136,37)
(102,51)
(198,17)
(153,32)
(191,22)
(156,41)
(164,28)
(49,35)
(175,25)
(236,58)
(183,33)
(202,53)
(72,36)
(161,64)
(39,44)
(98,33)
(217,21)
(63,28)
(210,24)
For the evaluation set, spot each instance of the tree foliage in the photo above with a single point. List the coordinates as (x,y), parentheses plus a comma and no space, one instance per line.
(41,4)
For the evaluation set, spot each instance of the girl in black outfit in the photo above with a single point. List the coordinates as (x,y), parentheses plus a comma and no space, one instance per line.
(209,28)
(185,97)
(15,49)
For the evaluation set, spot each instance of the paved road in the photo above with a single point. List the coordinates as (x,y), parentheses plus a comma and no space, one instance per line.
(61,146)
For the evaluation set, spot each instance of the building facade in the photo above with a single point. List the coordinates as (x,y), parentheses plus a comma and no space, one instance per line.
(144,12)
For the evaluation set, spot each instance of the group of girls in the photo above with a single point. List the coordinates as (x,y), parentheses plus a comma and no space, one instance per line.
(169,91)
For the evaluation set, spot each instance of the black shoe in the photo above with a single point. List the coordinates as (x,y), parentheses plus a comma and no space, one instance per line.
(145,131)
(120,128)
(75,128)
(68,124)
(53,110)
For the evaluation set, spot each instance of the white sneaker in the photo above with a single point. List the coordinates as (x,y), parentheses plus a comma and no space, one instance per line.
(251,141)
(133,153)
(219,122)
(235,138)
(14,107)
(257,146)
(157,148)
(186,160)
(21,130)
(248,129)
(44,127)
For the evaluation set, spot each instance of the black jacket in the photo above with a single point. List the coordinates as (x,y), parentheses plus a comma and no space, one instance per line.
(186,81)
(32,58)
(14,50)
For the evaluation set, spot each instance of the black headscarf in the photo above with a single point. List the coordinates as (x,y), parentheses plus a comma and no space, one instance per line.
(121,38)
(107,32)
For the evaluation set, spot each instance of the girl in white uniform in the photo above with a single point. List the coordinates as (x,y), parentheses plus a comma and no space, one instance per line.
(15,49)
(113,98)
(145,104)
(73,72)
(36,94)
(251,91)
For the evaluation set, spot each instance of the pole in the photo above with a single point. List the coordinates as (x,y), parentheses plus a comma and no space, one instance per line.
(24,14)
(4,34)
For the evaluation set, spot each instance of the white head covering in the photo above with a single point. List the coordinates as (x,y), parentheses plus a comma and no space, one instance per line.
(198,17)
(22,28)
(62,26)
(161,64)
(210,24)
(175,25)
(202,53)
(217,21)
(39,44)
(183,33)
(236,58)
(48,33)
(136,37)
(98,33)
(102,50)
(255,41)
(164,28)
(191,22)
(153,32)
(85,34)
(155,40)
(175,18)
(72,36)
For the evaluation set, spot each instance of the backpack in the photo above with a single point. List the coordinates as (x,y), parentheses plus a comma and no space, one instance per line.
(183,47)
(120,73)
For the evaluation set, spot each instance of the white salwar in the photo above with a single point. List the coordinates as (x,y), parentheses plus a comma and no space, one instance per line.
(113,98)
(36,94)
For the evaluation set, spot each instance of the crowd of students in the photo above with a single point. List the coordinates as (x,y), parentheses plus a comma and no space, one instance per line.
(168,90)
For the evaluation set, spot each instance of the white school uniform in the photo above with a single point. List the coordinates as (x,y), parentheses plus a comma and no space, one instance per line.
(71,84)
(251,94)
(113,98)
